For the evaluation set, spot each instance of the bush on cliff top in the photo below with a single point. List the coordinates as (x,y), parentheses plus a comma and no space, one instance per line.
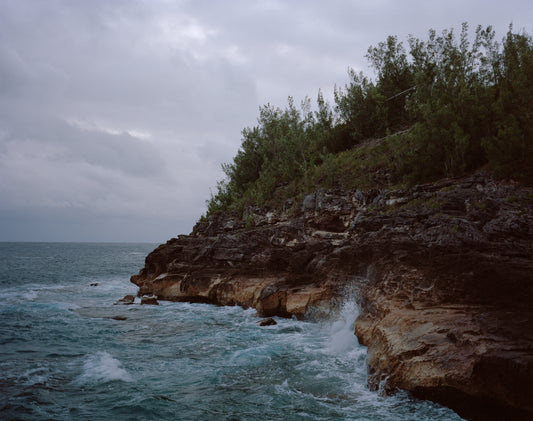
(448,107)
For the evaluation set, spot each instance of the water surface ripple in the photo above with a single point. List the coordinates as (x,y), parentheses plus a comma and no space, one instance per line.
(64,356)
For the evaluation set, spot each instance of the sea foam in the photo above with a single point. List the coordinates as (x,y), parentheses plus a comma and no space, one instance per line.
(102,367)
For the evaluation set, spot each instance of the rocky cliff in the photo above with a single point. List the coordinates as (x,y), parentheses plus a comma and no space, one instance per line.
(443,274)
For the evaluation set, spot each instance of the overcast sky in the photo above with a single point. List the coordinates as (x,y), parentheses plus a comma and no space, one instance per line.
(115,115)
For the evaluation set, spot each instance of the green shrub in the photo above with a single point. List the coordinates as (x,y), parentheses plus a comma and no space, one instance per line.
(446,107)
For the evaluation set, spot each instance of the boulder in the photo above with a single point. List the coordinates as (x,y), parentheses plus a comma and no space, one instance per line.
(149,301)
(127,300)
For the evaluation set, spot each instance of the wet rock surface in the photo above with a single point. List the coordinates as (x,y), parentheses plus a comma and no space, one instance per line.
(149,301)
(443,272)
(267,322)
(126,300)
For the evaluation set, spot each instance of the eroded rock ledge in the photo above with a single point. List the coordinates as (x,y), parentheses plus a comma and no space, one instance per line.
(443,271)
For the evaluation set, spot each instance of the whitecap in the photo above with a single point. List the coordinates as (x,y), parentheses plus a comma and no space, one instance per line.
(16,295)
(283,388)
(35,376)
(30,295)
(251,356)
(102,367)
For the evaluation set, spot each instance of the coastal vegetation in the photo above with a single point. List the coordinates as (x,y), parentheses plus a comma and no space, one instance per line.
(440,107)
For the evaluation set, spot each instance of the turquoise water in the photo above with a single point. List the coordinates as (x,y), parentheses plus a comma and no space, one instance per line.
(64,357)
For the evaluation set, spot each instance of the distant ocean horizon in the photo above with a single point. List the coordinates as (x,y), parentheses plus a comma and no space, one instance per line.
(68,353)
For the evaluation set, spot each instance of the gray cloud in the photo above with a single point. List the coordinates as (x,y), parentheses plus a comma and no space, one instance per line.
(116,115)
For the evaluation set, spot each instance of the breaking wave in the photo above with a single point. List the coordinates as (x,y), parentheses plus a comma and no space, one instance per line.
(101,367)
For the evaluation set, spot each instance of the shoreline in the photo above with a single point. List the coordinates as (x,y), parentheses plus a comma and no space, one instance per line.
(442,271)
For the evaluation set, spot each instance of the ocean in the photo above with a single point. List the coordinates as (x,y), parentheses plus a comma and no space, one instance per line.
(68,353)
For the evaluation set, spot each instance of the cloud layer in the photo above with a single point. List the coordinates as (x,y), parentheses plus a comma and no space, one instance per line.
(116,115)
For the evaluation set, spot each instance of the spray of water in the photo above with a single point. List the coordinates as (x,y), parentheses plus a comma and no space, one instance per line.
(102,367)
(341,330)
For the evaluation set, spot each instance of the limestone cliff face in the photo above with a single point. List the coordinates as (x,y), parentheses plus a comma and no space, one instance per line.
(443,271)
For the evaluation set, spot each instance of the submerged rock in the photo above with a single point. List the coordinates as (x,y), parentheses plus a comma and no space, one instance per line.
(443,273)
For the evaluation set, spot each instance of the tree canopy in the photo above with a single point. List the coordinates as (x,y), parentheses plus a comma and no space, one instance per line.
(444,106)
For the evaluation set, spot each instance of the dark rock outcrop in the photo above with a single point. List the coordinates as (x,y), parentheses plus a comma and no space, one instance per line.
(149,301)
(126,300)
(267,322)
(443,272)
